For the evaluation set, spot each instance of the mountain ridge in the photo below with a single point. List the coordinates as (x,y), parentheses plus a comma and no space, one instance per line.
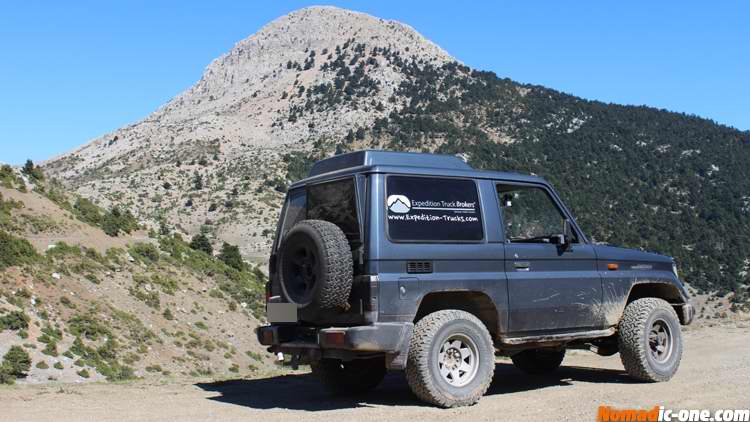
(320,81)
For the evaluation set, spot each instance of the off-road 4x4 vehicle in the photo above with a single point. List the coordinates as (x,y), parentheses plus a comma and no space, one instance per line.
(387,260)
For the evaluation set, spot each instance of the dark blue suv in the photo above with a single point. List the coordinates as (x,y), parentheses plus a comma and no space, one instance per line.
(389,260)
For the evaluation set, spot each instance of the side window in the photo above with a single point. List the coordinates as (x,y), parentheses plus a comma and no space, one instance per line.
(336,202)
(529,214)
(330,201)
(295,210)
(428,209)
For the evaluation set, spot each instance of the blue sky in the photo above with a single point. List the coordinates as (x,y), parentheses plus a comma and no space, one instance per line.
(70,71)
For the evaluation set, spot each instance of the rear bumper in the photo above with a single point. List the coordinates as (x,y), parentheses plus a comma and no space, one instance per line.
(379,337)
(687,314)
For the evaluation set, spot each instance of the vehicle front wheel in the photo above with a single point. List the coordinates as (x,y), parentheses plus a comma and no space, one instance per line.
(349,377)
(650,340)
(538,361)
(451,359)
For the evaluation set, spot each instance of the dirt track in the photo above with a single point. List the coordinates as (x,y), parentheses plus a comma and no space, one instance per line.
(715,373)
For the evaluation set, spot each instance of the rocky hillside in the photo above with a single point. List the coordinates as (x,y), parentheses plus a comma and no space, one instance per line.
(77,304)
(323,80)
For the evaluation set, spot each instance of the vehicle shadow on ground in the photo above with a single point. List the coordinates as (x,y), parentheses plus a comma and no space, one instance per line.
(304,392)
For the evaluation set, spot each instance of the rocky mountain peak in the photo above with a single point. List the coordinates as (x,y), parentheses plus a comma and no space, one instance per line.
(314,75)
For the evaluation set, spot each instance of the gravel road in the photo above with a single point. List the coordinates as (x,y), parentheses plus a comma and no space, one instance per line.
(715,373)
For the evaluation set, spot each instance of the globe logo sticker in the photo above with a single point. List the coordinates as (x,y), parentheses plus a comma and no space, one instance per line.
(399,204)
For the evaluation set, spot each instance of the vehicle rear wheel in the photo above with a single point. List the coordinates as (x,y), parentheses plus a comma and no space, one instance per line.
(538,361)
(650,340)
(451,359)
(350,377)
(315,265)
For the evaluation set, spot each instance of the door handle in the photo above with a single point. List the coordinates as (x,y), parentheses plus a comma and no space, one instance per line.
(522,265)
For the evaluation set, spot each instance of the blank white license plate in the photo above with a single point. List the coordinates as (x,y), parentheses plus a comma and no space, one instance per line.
(281,312)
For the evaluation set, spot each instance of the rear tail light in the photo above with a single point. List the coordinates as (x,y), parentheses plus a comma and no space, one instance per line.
(334,338)
(267,337)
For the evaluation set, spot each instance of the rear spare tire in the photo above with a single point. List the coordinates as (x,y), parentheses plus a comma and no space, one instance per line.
(315,266)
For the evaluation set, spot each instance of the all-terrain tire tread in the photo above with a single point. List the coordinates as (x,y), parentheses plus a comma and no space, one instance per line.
(631,332)
(418,373)
(337,256)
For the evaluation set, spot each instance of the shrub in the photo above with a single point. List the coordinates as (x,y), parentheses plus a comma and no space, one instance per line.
(201,325)
(16,363)
(145,251)
(50,349)
(197,181)
(168,315)
(116,221)
(49,334)
(15,251)
(254,355)
(58,365)
(83,373)
(65,301)
(201,243)
(6,220)
(88,326)
(8,177)
(14,320)
(153,368)
(63,249)
(231,256)
(104,359)
(168,285)
(42,365)
(87,211)
(151,298)
(241,286)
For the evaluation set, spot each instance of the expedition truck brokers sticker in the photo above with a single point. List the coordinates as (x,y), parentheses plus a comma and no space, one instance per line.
(433,209)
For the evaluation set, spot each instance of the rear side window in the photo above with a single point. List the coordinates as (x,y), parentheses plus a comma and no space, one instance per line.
(294,211)
(427,209)
(335,202)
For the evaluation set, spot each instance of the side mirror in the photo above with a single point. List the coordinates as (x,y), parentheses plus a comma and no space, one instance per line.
(564,240)
(567,237)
